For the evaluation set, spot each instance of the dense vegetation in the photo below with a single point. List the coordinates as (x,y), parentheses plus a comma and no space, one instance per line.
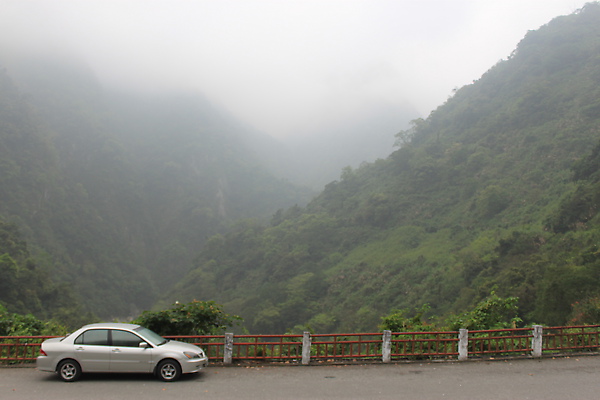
(109,200)
(497,190)
(29,289)
(194,318)
(114,194)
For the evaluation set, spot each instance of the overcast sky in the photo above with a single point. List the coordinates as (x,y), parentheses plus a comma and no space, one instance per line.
(284,67)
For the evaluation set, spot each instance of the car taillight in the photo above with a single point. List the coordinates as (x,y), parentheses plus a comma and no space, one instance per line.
(43,353)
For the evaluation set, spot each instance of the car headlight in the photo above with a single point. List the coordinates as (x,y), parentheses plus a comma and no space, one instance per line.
(191,355)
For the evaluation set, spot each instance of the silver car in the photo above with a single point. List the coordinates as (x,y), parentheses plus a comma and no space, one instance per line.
(115,347)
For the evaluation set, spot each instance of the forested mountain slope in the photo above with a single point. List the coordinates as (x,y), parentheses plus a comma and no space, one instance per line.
(497,189)
(113,193)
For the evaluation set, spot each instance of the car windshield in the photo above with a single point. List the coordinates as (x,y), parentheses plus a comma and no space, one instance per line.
(152,337)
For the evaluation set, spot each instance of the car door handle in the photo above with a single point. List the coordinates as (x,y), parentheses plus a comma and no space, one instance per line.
(116,350)
(79,349)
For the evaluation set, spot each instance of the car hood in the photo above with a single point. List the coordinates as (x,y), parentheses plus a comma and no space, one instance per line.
(174,345)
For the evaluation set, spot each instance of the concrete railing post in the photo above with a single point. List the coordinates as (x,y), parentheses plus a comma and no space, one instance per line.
(536,341)
(306,343)
(228,351)
(386,347)
(463,344)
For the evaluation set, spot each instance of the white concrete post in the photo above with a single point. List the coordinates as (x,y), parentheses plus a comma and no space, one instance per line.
(306,343)
(536,341)
(463,344)
(228,351)
(386,347)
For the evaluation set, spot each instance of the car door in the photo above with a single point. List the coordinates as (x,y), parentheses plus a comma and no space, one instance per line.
(126,355)
(91,349)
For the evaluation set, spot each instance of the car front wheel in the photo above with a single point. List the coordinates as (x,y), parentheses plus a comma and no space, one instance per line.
(169,370)
(69,370)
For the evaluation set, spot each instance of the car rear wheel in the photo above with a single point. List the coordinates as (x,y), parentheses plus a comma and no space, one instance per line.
(169,370)
(69,370)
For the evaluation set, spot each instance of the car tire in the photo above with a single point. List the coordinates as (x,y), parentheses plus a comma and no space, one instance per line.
(168,370)
(69,370)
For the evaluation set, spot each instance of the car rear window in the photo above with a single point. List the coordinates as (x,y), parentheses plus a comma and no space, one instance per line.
(95,337)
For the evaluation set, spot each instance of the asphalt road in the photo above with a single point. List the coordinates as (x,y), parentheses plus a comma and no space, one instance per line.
(561,378)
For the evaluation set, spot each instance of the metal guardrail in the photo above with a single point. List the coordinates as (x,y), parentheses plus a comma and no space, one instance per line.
(20,348)
(500,341)
(560,338)
(346,346)
(424,344)
(249,347)
(388,346)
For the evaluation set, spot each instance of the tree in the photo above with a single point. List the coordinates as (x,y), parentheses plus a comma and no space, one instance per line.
(194,318)
(586,311)
(12,324)
(404,138)
(398,321)
(494,312)
(492,200)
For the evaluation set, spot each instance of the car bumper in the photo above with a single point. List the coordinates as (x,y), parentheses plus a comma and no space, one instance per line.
(46,364)
(194,365)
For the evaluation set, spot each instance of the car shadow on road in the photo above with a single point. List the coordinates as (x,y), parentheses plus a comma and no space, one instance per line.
(126,377)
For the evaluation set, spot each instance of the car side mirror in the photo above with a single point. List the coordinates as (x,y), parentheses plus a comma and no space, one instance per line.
(144,345)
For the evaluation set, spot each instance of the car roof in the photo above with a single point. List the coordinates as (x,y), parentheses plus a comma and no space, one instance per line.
(111,325)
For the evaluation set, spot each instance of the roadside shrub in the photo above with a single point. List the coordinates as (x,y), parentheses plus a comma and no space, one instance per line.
(194,318)
(494,312)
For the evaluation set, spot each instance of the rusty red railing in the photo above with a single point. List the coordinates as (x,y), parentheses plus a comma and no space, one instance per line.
(359,346)
(560,338)
(424,344)
(500,341)
(249,347)
(346,346)
(267,347)
(20,348)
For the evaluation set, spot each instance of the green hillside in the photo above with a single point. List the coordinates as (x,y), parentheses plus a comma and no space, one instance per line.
(497,189)
(114,194)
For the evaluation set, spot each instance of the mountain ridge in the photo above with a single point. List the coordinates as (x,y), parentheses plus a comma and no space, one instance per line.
(495,191)
(463,208)
(106,197)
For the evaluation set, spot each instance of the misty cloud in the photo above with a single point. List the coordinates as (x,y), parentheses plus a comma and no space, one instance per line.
(289,68)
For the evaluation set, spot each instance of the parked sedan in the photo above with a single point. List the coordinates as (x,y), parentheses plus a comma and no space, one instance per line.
(112,347)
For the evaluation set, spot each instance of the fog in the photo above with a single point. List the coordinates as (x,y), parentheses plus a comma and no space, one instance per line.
(287,68)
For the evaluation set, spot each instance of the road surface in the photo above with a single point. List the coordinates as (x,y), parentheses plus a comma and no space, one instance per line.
(561,378)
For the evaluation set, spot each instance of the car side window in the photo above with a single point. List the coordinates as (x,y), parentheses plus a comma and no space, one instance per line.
(125,339)
(95,337)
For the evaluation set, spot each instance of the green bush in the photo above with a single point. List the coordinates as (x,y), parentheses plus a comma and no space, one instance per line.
(398,321)
(494,312)
(194,318)
(12,324)
(586,312)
